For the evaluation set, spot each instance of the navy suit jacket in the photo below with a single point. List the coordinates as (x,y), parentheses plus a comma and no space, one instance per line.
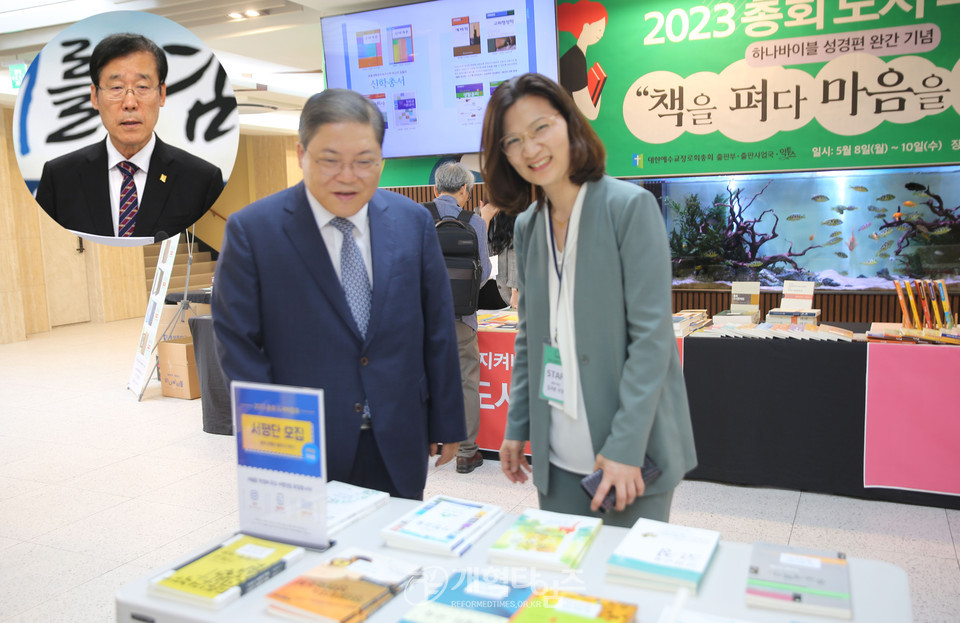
(74,189)
(280,316)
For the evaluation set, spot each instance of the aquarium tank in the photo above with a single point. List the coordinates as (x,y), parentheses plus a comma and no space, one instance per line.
(855,229)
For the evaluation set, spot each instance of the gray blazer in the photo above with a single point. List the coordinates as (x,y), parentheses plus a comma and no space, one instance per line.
(630,371)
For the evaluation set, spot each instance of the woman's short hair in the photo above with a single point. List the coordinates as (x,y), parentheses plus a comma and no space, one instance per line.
(338,106)
(504,185)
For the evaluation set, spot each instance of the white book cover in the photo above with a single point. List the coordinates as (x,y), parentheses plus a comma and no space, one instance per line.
(797,295)
(745,297)
(442,525)
(346,503)
(799,579)
(664,552)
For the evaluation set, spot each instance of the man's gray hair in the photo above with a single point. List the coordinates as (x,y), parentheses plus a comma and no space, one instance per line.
(453,176)
(338,106)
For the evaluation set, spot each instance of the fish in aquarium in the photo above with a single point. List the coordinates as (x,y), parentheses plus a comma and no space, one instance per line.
(832,242)
(865,226)
(841,254)
(796,217)
(870,262)
(832,222)
(909,204)
(886,197)
(885,233)
(921,195)
(860,189)
(910,216)
(874,208)
(883,255)
(886,245)
(755,264)
(834,234)
(939,231)
(852,243)
(820,198)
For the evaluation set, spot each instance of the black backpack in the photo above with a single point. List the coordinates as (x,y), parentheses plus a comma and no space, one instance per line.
(461,252)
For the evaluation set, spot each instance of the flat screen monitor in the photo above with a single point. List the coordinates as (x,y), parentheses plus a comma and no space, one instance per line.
(431,67)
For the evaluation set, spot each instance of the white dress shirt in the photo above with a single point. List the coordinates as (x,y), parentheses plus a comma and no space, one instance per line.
(142,160)
(333,239)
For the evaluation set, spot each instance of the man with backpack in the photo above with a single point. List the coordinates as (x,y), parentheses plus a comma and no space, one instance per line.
(463,239)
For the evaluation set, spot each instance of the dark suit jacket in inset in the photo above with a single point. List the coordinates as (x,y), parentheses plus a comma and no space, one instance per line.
(75,190)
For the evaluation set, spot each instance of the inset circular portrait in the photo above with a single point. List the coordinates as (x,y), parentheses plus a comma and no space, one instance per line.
(126,128)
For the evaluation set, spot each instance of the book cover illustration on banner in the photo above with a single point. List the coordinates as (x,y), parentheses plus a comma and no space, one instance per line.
(558,606)
(221,575)
(348,587)
(664,556)
(442,525)
(472,597)
(798,579)
(556,541)
(281,466)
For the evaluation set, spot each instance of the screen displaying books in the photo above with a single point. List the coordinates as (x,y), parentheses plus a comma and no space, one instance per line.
(432,66)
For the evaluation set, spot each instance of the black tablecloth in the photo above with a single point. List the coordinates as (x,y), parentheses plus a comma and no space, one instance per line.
(783,413)
(214,393)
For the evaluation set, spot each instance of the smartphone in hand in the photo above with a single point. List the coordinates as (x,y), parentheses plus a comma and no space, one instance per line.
(589,484)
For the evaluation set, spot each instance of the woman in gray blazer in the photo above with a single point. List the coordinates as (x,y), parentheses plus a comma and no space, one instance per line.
(597,382)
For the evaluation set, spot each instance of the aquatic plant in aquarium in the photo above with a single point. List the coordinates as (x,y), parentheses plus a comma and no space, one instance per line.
(843,229)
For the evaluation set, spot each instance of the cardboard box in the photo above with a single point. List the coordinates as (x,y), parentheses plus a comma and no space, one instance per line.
(178,369)
(180,329)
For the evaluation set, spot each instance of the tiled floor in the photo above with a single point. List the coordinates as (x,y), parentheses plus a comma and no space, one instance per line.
(97,489)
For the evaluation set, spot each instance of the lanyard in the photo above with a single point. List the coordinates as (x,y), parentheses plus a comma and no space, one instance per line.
(558,268)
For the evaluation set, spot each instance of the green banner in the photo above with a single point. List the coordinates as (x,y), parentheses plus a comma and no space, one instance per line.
(688,88)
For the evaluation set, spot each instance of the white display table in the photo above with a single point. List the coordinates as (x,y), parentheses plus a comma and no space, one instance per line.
(880,590)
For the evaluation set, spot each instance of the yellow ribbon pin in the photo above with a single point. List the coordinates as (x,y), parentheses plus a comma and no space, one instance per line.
(163,177)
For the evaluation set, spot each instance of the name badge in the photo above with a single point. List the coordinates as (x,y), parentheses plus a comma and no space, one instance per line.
(551,386)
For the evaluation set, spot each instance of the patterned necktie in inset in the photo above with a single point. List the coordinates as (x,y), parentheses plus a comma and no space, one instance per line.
(353,275)
(128,199)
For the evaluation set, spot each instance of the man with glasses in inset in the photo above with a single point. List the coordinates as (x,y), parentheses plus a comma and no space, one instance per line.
(131,183)
(336,284)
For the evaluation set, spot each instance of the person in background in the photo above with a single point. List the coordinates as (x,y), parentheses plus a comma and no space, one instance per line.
(335,284)
(593,268)
(131,183)
(500,237)
(453,183)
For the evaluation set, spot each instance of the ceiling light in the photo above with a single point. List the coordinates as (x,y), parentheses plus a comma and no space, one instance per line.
(252,13)
(235,15)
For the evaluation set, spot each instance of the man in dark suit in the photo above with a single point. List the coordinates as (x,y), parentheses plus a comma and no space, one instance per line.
(131,183)
(335,284)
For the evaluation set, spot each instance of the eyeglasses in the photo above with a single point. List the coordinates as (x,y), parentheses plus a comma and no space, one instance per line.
(512,144)
(117,92)
(364,167)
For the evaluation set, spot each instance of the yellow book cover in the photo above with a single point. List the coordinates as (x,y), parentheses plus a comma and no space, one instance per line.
(934,308)
(949,321)
(913,305)
(556,606)
(331,599)
(922,296)
(221,575)
(903,304)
